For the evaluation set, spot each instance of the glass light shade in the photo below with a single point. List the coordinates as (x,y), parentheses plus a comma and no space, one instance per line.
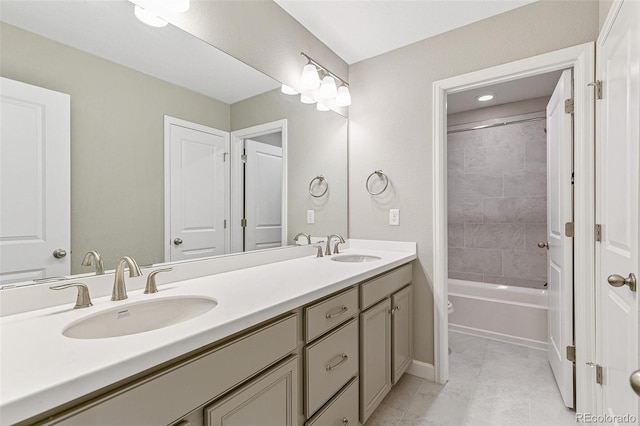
(484,98)
(177,5)
(310,78)
(322,107)
(328,89)
(288,90)
(149,18)
(307,100)
(343,98)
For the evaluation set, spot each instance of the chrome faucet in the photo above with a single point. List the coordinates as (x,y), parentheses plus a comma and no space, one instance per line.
(328,249)
(302,234)
(119,289)
(93,258)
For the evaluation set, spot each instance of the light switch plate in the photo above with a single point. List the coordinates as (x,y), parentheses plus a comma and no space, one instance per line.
(394,217)
(311,216)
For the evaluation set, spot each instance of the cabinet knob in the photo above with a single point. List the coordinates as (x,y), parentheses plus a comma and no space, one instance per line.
(177,241)
(345,421)
(59,253)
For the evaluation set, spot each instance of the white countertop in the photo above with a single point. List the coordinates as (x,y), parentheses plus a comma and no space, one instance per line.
(41,369)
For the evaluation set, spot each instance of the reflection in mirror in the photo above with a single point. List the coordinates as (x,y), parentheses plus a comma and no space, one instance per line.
(131,90)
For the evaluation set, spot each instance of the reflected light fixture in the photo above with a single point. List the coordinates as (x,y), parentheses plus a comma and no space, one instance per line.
(149,11)
(322,107)
(484,98)
(316,76)
(287,90)
(307,99)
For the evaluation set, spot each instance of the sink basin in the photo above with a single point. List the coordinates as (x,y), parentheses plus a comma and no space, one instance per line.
(138,317)
(355,258)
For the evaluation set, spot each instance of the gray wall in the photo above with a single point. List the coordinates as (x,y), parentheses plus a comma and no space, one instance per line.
(391,117)
(317,145)
(496,111)
(117,142)
(497,204)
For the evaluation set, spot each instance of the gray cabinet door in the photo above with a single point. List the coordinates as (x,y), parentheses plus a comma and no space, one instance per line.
(402,331)
(375,358)
(268,400)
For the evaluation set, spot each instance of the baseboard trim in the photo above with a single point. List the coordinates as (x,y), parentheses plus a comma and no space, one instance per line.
(507,338)
(422,369)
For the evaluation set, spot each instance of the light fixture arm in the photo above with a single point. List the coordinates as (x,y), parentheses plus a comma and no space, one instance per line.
(324,69)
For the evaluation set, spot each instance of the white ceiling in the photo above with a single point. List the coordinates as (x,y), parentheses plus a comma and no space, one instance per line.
(360,29)
(511,91)
(108,29)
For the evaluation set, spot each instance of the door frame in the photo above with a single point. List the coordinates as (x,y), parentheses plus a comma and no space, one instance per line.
(582,59)
(237,138)
(168,122)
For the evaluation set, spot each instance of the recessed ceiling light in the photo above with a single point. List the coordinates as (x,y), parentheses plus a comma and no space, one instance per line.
(484,98)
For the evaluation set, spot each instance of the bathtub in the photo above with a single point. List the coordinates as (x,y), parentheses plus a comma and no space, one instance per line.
(499,312)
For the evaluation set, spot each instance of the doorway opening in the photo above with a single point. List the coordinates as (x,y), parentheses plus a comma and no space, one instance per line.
(580,59)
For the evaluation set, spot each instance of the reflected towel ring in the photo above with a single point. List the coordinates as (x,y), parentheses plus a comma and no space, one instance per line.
(381,176)
(320,179)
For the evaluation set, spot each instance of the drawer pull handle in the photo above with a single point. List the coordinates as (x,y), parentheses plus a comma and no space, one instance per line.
(343,359)
(341,311)
(395,309)
(345,421)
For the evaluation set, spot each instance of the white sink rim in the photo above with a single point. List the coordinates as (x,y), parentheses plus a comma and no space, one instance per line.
(139,317)
(356,258)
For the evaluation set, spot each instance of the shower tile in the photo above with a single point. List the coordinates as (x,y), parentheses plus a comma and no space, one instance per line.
(533,234)
(456,259)
(494,158)
(456,235)
(514,281)
(525,183)
(535,155)
(461,210)
(467,276)
(503,236)
(515,210)
(455,161)
(525,264)
(474,185)
(481,261)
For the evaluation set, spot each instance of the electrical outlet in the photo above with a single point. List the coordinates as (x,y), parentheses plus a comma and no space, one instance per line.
(311,216)
(394,217)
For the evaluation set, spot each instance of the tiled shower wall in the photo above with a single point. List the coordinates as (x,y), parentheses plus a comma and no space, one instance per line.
(497,186)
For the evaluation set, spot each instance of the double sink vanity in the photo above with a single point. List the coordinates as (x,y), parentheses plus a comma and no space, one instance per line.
(277,338)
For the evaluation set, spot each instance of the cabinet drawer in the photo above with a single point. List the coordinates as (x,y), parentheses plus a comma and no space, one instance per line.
(329,364)
(381,287)
(342,410)
(323,316)
(168,395)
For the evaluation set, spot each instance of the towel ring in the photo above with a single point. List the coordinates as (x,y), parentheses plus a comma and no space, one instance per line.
(320,179)
(381,176)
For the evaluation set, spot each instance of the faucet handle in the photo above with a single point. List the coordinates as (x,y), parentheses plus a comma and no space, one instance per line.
(93,258)
(151,280)
(319,253)
(335,247)
(83,300)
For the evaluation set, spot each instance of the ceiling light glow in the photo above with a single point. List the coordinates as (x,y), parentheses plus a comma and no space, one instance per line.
(484,98)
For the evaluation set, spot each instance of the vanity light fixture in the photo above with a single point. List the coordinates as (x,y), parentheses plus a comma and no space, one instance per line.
(288,90)
(484,98)
(313,72)
(148,11)
(307,99)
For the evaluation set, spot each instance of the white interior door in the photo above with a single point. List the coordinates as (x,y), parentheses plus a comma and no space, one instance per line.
(560,247)
(198,198)
(34,182)
(617,197)
(263,196)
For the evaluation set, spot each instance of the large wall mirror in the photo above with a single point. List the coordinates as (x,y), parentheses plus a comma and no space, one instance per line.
(145,102)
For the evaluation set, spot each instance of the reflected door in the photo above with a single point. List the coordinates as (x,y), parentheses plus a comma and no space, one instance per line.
(617,163)
(560,247)
(263,195)
(34,182)
(198,198)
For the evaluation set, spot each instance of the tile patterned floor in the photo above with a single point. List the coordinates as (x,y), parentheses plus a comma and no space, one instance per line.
(491,383)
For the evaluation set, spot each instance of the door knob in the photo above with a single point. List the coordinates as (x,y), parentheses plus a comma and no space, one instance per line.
(635,381)
(616,280)
(59,253)
(544,244)
(177,241)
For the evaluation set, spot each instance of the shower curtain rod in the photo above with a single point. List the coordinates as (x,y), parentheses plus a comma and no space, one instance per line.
(488,126)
